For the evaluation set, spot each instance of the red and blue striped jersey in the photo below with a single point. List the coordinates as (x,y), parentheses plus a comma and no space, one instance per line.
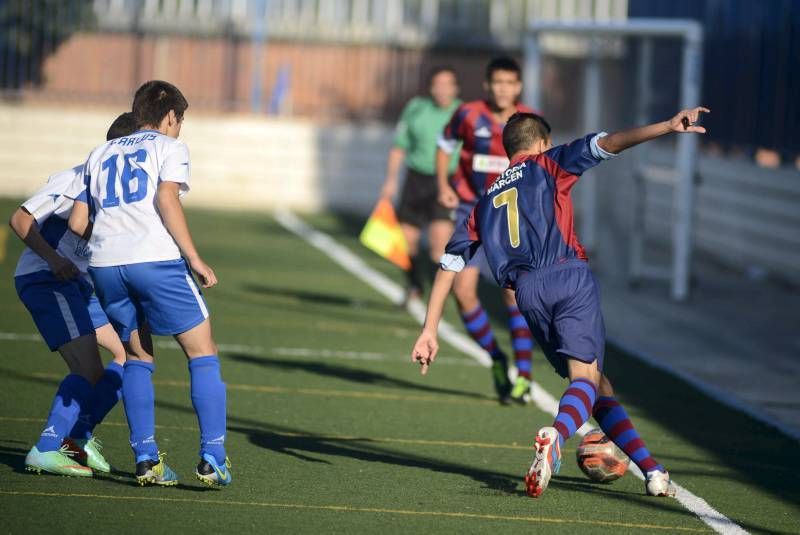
(525,220)
(482,156)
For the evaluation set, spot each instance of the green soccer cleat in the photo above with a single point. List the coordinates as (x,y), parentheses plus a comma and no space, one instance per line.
(150,472)
(58,462)
(521,391)
(502,385)
(87,452)
(211,473)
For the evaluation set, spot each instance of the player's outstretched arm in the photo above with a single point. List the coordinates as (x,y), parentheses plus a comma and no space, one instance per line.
(683,122)
(169,205)
(426,347)
(24,225)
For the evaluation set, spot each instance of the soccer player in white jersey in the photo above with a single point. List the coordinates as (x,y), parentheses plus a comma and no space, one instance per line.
(52,282)
(142,258)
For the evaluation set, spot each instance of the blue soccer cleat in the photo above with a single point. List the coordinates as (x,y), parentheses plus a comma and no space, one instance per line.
(211,473)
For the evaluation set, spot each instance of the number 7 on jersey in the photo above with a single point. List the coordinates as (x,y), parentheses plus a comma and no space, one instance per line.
(509,199)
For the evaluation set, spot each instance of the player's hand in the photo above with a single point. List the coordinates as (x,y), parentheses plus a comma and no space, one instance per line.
(63,269)
(686,119)
(203,272)
(389,189)
(425,350)
(448,197)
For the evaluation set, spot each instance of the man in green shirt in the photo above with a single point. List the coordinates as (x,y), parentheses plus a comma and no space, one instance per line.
(418,129)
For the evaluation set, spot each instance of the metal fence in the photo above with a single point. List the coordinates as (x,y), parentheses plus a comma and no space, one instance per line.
(397,22)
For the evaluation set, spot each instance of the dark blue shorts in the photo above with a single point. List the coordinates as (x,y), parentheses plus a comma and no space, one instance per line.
(561,304)
(163,293)
(61,310)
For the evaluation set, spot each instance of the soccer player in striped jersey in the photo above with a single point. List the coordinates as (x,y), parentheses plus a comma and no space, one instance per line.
(525,225)
(138,236)
(52,283)
(478,126)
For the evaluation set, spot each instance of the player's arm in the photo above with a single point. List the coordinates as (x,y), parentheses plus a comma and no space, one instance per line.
(427,346)
(445,146)
(171,210)
(24,225)
(79,222)
(683,122)
(447,195)
(396,157)
(461,247)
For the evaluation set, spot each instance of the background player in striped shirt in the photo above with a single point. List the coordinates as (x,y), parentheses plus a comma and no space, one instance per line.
(478,126)
(525,225)
(52,283)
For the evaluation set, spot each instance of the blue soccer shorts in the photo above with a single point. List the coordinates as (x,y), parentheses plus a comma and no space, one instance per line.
(164,294)
(561,304)
(61,310)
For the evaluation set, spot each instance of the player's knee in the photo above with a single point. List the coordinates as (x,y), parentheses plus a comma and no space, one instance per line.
(587,371)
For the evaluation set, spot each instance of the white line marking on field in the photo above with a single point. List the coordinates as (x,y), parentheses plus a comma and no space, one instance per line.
(546,402)
(308,352)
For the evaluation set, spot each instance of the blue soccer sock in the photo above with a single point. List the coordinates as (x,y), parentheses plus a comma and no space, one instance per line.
(209,400)
(107,392)
(575,408)
(139,401)
(73,393)
(476,322)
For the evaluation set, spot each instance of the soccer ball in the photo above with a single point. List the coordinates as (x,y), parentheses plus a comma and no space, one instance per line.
(600,459)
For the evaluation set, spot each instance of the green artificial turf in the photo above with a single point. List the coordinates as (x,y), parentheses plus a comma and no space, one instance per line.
(331,429)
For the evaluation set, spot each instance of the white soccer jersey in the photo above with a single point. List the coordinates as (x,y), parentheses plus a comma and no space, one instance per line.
(121,179)
(51,208)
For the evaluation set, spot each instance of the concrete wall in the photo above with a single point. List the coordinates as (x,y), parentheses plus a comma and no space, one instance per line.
(237,161)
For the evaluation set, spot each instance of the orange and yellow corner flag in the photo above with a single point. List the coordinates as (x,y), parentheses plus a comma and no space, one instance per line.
(382,235)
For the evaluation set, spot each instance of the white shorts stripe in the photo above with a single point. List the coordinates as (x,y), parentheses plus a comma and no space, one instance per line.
(197,296)
(69,320)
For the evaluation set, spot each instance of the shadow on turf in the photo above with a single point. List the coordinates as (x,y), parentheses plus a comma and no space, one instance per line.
(319,298)
(350,374)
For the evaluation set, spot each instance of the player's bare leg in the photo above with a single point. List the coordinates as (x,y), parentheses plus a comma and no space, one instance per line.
(615,423)
(413,283)
(83,357)
(107,339)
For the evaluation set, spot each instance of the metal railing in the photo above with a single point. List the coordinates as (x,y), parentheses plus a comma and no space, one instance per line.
(398,22)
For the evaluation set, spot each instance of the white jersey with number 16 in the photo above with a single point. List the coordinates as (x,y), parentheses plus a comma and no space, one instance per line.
(121,181)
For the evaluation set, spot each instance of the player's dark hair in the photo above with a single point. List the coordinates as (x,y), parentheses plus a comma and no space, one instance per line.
(522,131)
(153,101)
(503,63)
(437,70)
(124,125)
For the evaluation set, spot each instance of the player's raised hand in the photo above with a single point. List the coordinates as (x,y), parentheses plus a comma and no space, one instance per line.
(204,272)
(448,197)
(425,350)
(63,269)
(685,121)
